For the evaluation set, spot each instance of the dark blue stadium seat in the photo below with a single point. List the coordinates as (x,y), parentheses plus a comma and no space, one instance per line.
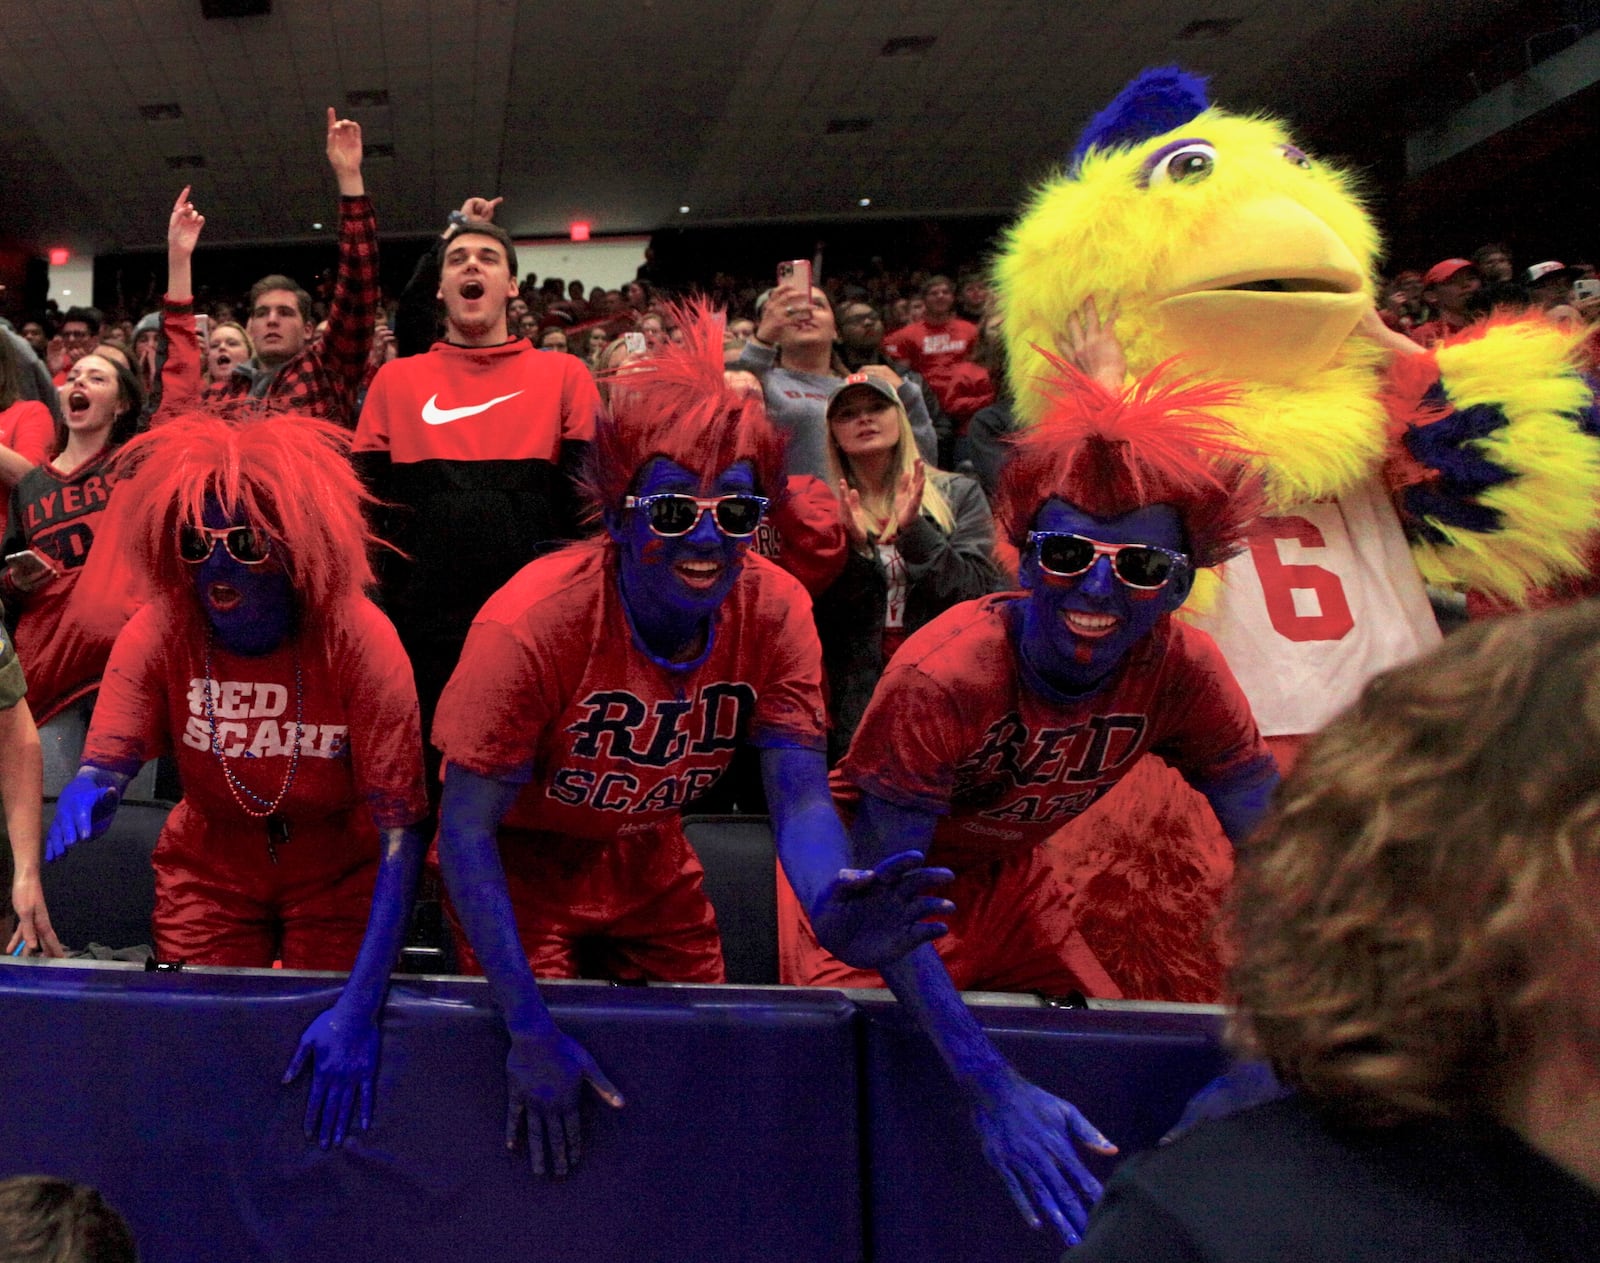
(742,884)
(104,890)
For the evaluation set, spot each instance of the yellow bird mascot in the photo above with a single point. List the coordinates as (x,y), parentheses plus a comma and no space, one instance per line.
(1474,466)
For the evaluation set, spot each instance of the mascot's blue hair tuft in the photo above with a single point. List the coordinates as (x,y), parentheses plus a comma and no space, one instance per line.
(1155,101)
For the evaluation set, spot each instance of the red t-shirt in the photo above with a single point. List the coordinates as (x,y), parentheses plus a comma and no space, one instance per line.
(934,350)
(553,693)
(953,731)
(62,625)
(26,427)
(506,402)
(361,734)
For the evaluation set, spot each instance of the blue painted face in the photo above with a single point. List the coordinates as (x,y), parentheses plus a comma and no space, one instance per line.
(672,585)
(1074,632)
(250,608)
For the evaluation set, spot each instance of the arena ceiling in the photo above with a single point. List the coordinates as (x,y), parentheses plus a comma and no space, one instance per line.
(619,112)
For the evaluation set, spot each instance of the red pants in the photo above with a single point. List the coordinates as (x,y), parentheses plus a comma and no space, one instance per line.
(1125,896)
(220,900)
(1012,931)
(631,908)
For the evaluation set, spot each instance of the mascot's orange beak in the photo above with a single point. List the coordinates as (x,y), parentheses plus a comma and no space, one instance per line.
(1270,295)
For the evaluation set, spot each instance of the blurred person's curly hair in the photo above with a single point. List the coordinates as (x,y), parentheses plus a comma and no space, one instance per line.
(46,1220)
(1423,895)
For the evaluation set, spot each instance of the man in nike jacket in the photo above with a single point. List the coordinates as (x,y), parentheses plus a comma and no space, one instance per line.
(473,445)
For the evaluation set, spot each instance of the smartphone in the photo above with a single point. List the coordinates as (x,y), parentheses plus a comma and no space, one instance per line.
(634,342)
(32,565)
(1587,288)
(796,272)
(202,328)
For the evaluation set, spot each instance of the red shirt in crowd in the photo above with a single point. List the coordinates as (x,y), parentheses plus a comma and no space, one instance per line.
(325,378)
(934,350)
(360,734)
(63,644)
(26,427)
(553,692)
(953,731)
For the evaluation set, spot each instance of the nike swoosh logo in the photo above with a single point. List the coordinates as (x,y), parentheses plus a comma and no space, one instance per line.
(433,414)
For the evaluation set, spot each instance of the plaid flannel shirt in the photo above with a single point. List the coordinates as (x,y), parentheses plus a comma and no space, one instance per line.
(323,380)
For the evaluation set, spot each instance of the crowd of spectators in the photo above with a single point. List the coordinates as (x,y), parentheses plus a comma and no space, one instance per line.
(889,388)
(889,391)
(1456,292)
(927,342)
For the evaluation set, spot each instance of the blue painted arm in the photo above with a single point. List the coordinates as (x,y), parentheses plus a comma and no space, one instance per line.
(1027,1134)
(867,916)
(342,1043)
(1241,801)
(545,1071)
(87,805)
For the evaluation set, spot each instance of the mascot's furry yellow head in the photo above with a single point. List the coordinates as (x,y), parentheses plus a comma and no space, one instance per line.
(1228,246)
(1225,244)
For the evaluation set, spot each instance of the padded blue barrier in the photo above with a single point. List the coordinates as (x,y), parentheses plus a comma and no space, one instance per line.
(740,1139)
(931,1197)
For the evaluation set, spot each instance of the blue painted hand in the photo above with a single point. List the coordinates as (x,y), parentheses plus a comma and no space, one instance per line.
(1028,1137)
(544,1078)
(870,917)
(85,810)
(343,1050)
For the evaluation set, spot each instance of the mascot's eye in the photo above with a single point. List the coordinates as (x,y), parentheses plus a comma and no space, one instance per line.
(1188,163)
(1296,156)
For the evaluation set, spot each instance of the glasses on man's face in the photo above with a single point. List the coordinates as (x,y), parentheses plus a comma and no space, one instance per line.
(245,544)
(1142,566)
(671,513)
(862,318)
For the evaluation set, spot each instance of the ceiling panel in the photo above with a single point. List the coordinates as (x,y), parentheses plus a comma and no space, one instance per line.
(620,111)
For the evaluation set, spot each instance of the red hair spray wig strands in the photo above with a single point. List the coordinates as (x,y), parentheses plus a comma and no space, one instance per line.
(289,476)
(1158,442)
(677,404)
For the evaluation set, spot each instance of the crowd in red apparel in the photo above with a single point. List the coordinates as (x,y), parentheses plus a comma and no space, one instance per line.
(589,322)
(1454,293)
(920,347)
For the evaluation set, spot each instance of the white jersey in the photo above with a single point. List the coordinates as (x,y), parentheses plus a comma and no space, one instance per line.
(1326,597)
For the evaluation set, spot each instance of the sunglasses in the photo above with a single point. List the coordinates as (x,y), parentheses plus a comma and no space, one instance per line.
(672,514)
(245,544)
(1142,566)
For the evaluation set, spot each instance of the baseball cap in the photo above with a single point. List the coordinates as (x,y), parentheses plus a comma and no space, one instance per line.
(1442,271)
(862,379)
(1550,269)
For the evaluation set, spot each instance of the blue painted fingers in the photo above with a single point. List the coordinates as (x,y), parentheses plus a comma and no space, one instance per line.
(85,810)
(869,918)
(343,1051)
(544,1079)
(1029,1137)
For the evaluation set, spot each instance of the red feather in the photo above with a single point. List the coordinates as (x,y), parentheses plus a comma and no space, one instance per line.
(1158,442)
(677,404)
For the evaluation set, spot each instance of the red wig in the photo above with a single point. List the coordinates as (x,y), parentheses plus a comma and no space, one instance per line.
(287,475)
(678,404)
(1159,442)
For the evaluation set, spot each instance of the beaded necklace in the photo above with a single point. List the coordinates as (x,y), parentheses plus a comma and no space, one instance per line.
(263,810)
